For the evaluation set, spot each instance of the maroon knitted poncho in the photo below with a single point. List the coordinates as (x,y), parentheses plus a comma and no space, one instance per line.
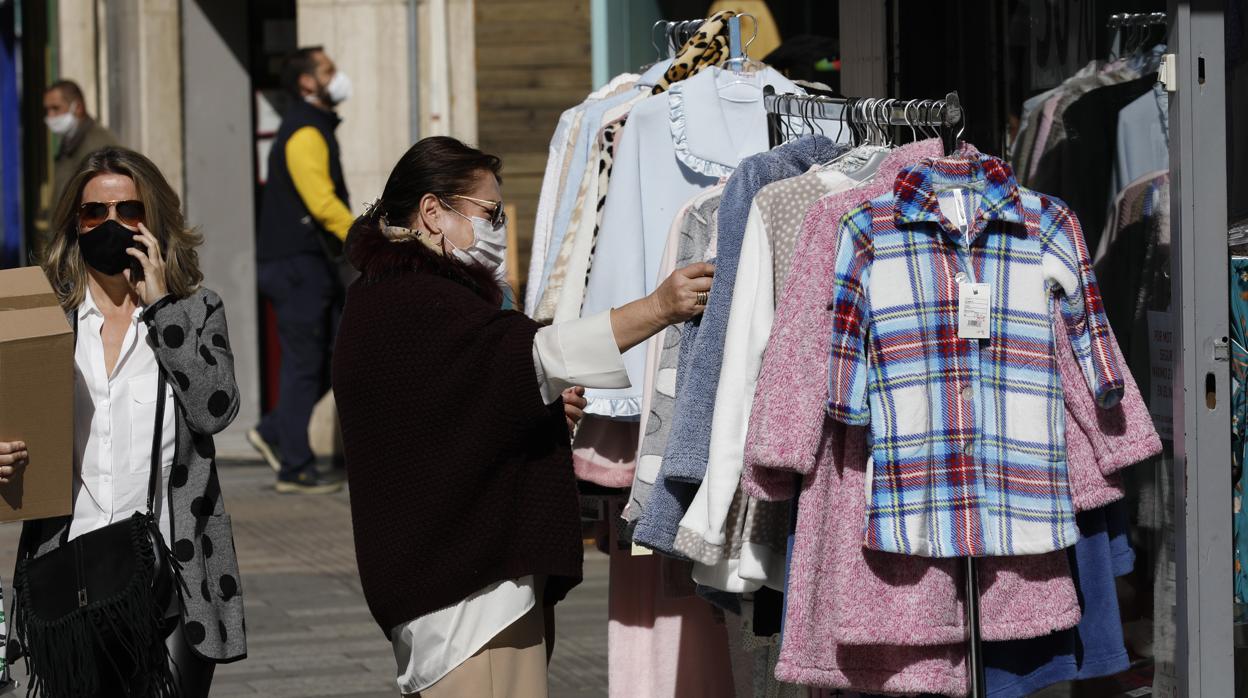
(460,475)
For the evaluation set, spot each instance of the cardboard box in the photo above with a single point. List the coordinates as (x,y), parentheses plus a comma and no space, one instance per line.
(36,395)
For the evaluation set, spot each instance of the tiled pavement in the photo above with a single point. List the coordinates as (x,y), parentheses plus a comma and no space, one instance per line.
(309,632)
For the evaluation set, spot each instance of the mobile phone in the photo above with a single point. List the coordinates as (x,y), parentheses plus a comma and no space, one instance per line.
(136,267)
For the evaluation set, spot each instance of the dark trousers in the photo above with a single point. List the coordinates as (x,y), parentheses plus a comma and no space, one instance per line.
(307,296)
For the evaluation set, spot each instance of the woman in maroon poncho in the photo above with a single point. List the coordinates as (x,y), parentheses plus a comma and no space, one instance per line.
(455,419)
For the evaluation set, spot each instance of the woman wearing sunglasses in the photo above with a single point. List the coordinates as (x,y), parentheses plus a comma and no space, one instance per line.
(455,420)
(124,266)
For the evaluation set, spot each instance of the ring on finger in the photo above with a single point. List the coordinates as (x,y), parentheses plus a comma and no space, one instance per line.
(703,297)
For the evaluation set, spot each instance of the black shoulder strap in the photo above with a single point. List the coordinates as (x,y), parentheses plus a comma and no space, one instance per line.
(156,440)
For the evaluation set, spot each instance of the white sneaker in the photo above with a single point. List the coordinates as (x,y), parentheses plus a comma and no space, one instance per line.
(264,449)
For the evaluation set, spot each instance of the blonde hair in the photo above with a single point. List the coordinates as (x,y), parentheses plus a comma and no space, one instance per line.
(62,260)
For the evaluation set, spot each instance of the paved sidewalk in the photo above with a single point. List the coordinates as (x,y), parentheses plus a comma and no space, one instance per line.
(309,631)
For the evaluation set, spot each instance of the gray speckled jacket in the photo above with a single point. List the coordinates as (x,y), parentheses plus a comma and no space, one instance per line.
(192,346)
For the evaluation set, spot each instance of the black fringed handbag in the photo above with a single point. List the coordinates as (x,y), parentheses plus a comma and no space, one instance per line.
(96,605)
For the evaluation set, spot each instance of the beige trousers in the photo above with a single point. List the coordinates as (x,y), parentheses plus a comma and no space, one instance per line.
(512,665)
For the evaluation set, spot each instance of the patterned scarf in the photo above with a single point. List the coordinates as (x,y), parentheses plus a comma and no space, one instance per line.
(708,46)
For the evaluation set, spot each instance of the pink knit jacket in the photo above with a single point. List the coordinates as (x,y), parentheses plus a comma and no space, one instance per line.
(876,621)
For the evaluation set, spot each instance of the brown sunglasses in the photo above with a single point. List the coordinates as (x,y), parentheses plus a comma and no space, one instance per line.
(498,215)
(129,212)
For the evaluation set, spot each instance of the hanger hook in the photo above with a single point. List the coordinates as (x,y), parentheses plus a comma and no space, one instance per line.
(855,120)
(745,47)
(840,129)
(876,120)
(789,129)
(914,136)
(808,117)
(881,120)
(886,119)
(870,119)
(873,118)
(657,51)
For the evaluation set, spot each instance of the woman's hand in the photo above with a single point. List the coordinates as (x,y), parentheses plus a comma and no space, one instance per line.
(683,294)
(151,287)
(13,456)
(574,403)
(680,297)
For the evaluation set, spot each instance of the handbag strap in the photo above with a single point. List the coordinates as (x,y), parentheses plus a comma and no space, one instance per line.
(157,440)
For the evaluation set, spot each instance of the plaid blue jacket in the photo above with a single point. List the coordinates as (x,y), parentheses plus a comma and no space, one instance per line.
(968,439)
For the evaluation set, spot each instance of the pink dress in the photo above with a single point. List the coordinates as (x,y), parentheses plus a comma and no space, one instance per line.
(661,644)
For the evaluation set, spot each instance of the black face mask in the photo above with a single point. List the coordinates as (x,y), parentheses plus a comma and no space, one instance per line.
(104,247)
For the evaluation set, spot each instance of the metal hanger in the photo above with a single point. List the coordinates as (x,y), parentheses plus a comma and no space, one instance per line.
(658,52)
(787,121)
(739,59)
(841,128)
(739,64)
(911,116)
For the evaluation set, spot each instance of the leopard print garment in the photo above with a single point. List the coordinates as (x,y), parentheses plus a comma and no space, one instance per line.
(606,159)
(708,46)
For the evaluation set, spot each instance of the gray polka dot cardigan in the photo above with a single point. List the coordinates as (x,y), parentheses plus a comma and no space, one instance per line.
(192,346)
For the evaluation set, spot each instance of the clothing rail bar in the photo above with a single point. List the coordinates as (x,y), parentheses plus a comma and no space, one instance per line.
(676,33)
(1138,19)
(890,112)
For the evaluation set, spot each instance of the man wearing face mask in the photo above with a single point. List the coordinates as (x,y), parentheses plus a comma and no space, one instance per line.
(304,218)
(65,113)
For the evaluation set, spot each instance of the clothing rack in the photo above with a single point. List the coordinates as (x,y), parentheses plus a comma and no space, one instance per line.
(676,32)
(1138,19)
(948,116)
(680,31)
(1138,27)
(944,114)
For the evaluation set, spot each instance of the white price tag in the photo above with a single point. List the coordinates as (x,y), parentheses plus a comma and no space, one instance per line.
(974,310)
(638,551)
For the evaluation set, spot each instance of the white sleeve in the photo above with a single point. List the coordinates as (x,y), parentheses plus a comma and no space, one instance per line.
(579,352)
(749,325)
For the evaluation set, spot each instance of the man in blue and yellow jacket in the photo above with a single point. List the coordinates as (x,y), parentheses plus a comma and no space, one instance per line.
(304,218)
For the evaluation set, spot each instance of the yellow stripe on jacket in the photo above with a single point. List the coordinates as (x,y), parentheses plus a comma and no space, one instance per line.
(307,159)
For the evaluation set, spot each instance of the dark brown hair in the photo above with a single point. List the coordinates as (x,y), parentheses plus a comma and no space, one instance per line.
(62,261)
(69,90)
(297,64)
(436,165)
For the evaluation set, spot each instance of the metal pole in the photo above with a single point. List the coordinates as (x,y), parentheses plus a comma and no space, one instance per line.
(413,67)
(1202,392)
(974,645)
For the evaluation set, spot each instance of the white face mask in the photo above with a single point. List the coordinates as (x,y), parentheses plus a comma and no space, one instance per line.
(488,248)
(62,124)
(339,88)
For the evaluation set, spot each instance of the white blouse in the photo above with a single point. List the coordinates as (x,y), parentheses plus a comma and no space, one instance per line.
(114,421)
(580,352)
